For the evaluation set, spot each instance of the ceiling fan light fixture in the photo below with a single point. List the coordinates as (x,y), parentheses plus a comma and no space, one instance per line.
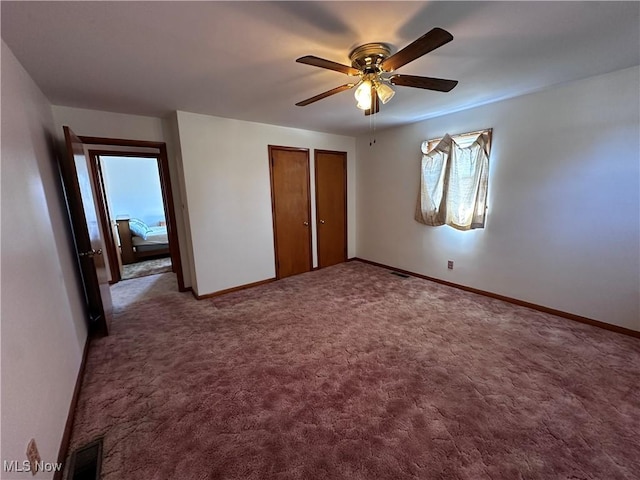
(363,95)
(385,92)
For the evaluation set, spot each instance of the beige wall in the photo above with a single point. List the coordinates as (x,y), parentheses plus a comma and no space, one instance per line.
(43,322)
(95,123)
(226,171)
(170,128)
(563,221)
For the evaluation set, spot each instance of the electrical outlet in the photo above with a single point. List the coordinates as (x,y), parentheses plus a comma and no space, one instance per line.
(33,456)
(450,264)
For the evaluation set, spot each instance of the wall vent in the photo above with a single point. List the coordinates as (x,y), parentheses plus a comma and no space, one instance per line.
(403,275)
(86,462)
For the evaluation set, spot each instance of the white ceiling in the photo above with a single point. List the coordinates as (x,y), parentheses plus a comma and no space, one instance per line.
(237,59)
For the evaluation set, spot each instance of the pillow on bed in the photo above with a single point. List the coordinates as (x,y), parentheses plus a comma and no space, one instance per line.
(139,228)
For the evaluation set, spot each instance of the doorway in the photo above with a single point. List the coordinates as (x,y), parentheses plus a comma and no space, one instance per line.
(151,151)
(134,217)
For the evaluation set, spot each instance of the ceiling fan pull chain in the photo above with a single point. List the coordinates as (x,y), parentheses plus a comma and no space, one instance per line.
(370,130)
(374,129)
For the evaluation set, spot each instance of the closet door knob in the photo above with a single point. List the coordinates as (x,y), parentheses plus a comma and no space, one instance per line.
(322,222)
(306,224)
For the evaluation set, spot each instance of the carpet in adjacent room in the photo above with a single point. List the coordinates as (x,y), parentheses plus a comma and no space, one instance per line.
(144,268)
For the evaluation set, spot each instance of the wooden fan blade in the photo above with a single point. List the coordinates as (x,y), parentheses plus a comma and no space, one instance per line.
(428,83)
(328,64)
(375,103)
(426,43)
(326,94)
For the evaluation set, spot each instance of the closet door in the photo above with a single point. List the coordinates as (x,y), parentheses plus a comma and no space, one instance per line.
(291,205)
(331,206)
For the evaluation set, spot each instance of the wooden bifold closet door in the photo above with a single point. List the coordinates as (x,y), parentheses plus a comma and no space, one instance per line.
(291,205)
(331,206)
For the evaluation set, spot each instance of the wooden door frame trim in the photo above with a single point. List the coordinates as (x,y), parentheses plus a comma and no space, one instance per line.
(273,202)
(346,223)
(103,213)
(165,185)
(121,142)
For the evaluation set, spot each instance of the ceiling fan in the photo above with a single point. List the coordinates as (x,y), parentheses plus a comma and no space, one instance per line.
(374,64)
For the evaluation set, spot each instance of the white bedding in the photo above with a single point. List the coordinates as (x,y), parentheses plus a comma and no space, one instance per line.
(157,236)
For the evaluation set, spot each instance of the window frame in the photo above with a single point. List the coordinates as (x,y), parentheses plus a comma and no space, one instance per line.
(489,131)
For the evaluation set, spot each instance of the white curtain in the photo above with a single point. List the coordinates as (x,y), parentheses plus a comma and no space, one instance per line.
(453,183)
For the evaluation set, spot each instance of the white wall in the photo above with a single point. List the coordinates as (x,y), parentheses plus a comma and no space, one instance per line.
(95,123)
(170,129)
(226,171)
(132,187)
(43,326)
(563,221)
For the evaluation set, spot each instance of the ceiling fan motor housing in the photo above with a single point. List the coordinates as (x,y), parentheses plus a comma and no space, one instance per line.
(367,57)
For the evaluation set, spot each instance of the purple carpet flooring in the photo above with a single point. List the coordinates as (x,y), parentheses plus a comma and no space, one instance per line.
(350,372)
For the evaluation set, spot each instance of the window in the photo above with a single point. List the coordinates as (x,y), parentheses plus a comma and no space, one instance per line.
(454,178)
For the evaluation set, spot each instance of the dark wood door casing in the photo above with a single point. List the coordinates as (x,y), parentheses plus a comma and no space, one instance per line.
(331,206)
(291,209)
(103,213)
(165,184)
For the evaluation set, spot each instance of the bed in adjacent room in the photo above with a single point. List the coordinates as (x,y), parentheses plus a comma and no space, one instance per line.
(138,240)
